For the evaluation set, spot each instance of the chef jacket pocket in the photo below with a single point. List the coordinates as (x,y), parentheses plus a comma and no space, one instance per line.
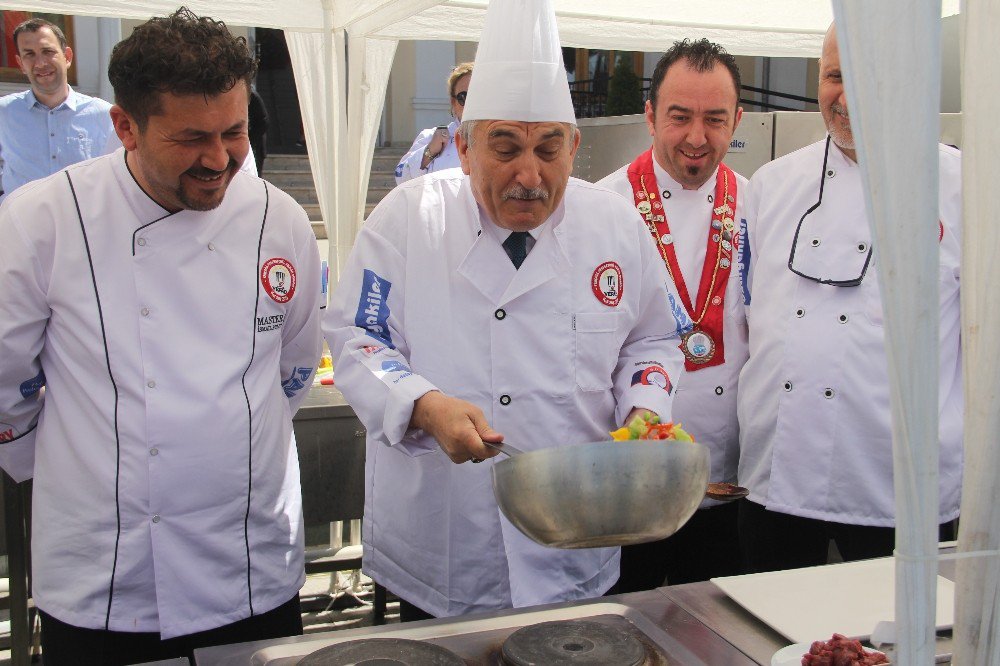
(597,348)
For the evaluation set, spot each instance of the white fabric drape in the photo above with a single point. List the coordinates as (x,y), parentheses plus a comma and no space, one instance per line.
(890,55)
(977,590)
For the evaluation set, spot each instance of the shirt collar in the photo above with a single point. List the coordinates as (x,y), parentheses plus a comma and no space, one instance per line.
(501,234)
(71,102)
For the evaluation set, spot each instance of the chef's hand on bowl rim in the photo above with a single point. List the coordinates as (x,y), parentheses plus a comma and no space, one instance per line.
(458,426)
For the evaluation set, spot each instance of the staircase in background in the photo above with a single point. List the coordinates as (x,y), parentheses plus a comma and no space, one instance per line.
(292,174)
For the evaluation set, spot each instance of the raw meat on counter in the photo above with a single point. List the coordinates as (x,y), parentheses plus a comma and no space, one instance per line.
(841,651)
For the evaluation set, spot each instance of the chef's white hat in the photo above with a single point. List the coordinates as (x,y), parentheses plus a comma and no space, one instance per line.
(519,72)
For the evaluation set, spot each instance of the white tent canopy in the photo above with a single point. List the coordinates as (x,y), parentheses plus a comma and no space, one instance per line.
(329,37)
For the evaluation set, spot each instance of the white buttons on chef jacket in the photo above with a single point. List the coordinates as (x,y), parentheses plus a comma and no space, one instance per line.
(154,451)
(505,399)
(151,384)
(156,518)
(211,247)
(828,393)
(141,242)
(144,312)
(500,314)
(788,386)
(800,312)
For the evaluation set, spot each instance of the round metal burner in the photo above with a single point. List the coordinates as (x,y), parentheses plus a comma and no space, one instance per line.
(383,652)
(572,643)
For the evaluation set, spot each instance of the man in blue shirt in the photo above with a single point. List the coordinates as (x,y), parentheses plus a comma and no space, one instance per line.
(50,126)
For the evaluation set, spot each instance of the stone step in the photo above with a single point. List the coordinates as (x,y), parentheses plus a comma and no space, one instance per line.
(386,162)
(278,162)
(383,179)
(316,217)
(304,194)
(290,178)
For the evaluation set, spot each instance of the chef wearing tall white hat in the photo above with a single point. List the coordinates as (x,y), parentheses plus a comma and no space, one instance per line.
(508,301)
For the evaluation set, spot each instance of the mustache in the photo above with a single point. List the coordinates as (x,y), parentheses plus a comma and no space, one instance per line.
(518,191)
(202,172)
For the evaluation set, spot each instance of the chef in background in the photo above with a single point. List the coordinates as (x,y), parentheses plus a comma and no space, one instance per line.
(434,149)
(506,301)
(167,302)
(690,201)
(815,422)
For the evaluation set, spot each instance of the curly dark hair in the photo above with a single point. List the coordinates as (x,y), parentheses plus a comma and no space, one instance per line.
(701,55)
(182,54)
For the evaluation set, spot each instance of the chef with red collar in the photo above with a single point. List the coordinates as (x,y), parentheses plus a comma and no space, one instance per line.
(690,201)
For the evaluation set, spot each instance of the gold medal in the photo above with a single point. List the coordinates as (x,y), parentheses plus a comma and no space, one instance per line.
(644,207)
(698,346)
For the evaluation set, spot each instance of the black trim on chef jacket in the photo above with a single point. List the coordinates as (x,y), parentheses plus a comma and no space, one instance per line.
(243,383)
(114,385)
(159,219)
(23,434)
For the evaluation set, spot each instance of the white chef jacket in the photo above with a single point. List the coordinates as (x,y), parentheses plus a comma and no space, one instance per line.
(706,399)
(429,299)
(174,349)
(814,407)
(409,165)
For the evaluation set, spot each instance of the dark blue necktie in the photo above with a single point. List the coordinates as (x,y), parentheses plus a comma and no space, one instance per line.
(516,247)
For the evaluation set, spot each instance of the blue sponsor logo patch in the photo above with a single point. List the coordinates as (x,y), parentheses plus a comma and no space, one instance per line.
(373,308)
(296,381)
(33,385)
(744,263)
(399,170)
(684,323)
(394,366)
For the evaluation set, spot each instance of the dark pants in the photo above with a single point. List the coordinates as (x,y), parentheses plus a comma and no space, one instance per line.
(65,644)
(706,546)
(772,541)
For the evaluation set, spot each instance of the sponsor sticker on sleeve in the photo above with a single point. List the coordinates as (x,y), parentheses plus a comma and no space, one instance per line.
(296,381)
(607,283)
(33,385)
(373,307)
(654,375)
(744,261)
(277,275)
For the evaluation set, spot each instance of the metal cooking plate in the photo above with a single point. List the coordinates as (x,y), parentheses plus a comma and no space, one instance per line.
(572,643)
(383,652)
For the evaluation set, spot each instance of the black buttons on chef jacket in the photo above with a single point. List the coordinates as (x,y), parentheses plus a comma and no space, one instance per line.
(828,393)
(862,248)
(843,319)
(719,390)
(830,173)
(500,314)
(800,312)
(814,242)
(666,194)
(505,400)
(788,386)
(711,199)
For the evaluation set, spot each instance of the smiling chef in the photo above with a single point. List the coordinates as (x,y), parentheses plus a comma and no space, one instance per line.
(168,303)
(505,300)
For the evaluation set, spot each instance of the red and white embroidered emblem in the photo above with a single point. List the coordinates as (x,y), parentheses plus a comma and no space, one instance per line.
(607,283)
(278,278)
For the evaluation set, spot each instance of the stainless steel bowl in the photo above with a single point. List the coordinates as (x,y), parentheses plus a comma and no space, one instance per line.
(603,493)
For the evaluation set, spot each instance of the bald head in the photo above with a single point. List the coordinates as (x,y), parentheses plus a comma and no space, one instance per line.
(831,96)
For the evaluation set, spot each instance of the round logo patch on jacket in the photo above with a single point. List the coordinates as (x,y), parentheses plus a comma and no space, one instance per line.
(278,277)
(607,283)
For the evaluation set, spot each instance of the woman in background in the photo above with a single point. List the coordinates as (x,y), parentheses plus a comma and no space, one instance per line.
(434,148)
